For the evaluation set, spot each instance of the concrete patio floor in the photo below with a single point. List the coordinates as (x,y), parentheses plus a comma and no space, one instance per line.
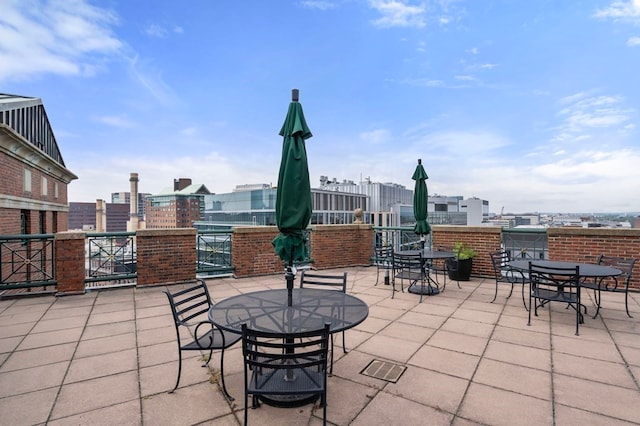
(109,357)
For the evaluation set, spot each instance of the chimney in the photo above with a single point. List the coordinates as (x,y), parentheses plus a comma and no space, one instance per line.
(101,217)
(132,223)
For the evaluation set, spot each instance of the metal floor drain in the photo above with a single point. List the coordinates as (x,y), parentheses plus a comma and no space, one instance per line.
(384,370)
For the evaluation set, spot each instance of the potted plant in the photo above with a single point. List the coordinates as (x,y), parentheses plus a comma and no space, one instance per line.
(459,268)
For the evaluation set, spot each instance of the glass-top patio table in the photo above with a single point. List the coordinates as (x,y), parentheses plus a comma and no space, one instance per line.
(268,310)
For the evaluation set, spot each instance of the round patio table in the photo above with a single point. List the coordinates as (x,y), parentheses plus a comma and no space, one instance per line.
(268,310)
(432,286)
(587,270)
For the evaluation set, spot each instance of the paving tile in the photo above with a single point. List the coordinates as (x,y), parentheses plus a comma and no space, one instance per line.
(601,398)
(519,355)
(191,405)
(111,317)
(458,342)
(493,406)
(422,320)
(428,387)
(106,308)
(9,344)
(67,312)
(28,408)
(127,413)
(104,345)
(59,324)
(445,361)
(50,338)
(82,397)
(156,335)
(345,400)
(471,328)
(522,337)
(101,365)
(515,378)
(13,330)
(106,330)
(40,356)
(630,355)
(386,409)
(573,416)
(593,369)
(390,348)
(161,353)
(17,382)
(385,312)
(476,315)
(585,348)
(409,332)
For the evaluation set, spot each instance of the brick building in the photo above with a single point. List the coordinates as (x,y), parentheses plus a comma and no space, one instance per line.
(177,208)
(33,176)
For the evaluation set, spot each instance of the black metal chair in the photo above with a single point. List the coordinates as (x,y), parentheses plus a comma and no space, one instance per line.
(285,364)
(410,267)
(192,304)
(553,284)
(382,260)
(619,284)
(326,281)
(505,274)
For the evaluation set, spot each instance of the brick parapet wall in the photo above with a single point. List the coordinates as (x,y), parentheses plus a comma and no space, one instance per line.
(586,244)
(166,256)
(483,239)
(336,246)
(252,252)
(332,246)
(69,262)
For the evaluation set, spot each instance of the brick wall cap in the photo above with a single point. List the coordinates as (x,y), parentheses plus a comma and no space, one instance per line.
(166,232)
(70,235)
(594,232)
(467,229)
(342,227)
(254,229)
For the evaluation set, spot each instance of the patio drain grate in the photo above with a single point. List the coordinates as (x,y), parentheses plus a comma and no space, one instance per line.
(384,370)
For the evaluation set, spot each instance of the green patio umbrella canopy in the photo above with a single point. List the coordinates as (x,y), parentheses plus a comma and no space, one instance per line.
(420,199)
(293,197)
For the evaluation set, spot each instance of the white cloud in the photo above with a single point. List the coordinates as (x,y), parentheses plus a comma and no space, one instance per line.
(67,38)
(633,41)
(621,10)
(397,13)
(151,79)
(155,30)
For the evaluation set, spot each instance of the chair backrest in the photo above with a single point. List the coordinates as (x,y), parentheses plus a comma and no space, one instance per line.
(565,278)
(625,265)
(499,261)
(324,281)
(190,303)
(268,351)
(382,255)
(407,262)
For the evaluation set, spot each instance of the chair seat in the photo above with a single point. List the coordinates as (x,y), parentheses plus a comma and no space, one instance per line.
(213,340)
(555,295)
(409,275)
(273,382)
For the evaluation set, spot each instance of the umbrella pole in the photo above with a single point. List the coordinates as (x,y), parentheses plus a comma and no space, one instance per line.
(290,277)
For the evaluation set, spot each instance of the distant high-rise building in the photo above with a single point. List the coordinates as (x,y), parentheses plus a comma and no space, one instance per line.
(125,198)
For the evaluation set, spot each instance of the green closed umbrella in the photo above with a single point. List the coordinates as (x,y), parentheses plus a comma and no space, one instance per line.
(293,196)
(420,200)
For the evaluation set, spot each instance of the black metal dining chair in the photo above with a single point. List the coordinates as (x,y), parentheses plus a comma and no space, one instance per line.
(326,281)
(410,267)
(383,262)
(281,364)
(194,332)
(505,274)
(618,284)
(555,284)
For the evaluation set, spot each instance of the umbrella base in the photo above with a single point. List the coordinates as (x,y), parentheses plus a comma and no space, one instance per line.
(427,290)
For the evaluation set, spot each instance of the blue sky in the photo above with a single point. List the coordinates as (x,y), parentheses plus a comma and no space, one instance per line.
(532,105)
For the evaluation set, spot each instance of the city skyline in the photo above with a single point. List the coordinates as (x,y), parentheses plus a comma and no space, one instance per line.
(532,106)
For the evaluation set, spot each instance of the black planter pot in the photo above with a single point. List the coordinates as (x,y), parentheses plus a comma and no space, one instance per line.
(459,270)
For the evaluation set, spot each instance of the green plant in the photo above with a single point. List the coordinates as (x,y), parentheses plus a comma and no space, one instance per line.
(463,251)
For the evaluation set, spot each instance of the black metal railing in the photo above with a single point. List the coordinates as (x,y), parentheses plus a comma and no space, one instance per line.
(526,243)
(400,238)
(110,260)
(213,253)
(27,261)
